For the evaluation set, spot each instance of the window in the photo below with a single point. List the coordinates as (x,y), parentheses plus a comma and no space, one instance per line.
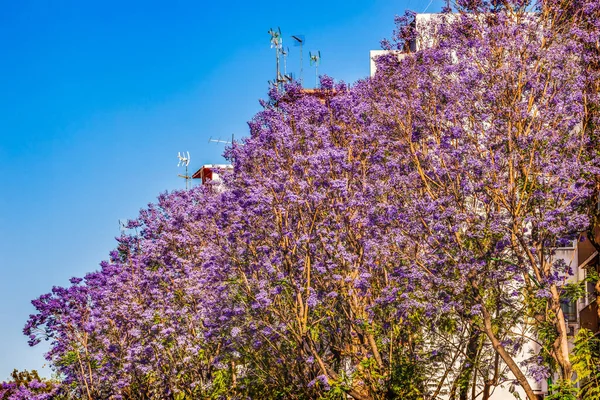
(569,309)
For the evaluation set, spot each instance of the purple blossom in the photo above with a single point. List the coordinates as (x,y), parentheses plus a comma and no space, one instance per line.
(388,214)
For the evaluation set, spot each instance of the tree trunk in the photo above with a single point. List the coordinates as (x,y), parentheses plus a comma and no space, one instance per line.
(561,344)
(469,363)
(507,358)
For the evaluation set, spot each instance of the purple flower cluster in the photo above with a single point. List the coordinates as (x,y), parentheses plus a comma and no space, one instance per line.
(28,386)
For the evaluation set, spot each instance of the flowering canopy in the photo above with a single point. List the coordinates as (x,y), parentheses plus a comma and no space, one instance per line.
(393,240)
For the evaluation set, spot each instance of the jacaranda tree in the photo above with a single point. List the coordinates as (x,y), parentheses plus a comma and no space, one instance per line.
(502,163)
(389,239)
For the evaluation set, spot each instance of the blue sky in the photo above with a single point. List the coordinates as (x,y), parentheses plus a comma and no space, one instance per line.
(97,98)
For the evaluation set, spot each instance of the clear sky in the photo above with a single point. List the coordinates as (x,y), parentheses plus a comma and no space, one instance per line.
(97,98)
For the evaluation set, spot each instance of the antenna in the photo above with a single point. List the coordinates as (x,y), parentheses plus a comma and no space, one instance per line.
(122,226)
(430,1)
(285,78)
(315,59)
(299,40)
(219,140)
(211,140)
(277,43)
(285,51)
(184,159)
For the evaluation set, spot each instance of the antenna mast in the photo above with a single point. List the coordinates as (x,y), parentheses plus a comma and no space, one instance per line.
(315,59)
(184,159)
(277,43)
(285,78)
(299,40)
(285,52)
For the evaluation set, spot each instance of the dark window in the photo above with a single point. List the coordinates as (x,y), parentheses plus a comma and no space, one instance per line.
(569,308)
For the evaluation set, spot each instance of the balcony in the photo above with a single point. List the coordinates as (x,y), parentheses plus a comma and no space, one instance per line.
(588,317)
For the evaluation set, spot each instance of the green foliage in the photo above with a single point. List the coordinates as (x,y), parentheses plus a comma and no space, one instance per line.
(586,363)
(592,275)
(24,377)
(407,379)
(538,310)
(547,334)
(337,390)
(574,291)
(562,390)
(221,384)
(180,396)
(69,358)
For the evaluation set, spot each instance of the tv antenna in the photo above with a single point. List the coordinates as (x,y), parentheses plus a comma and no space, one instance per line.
(299,40)
(315,59)
(122,226)
(284,52)
(219,140)
(277,43)
(282,78)
(184,159)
